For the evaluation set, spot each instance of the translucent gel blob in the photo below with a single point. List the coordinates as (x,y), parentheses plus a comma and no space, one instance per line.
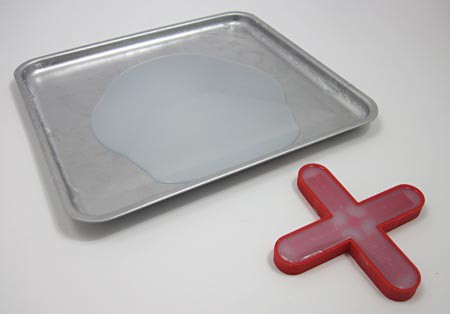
(185,117)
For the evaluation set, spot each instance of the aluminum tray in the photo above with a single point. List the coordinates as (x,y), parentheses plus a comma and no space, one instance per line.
(98,185)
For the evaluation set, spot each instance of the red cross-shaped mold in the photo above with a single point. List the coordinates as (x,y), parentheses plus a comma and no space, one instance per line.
(356,227)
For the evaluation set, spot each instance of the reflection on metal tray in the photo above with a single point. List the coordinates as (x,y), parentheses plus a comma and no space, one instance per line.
(98,182)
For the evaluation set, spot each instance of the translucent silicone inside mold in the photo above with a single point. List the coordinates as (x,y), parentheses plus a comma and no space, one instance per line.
(357,221)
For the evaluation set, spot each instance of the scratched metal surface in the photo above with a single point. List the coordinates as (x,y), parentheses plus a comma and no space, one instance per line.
(96,184)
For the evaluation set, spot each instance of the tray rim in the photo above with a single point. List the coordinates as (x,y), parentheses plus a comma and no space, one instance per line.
(57,174)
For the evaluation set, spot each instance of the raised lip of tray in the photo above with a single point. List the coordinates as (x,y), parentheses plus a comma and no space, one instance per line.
(25,68)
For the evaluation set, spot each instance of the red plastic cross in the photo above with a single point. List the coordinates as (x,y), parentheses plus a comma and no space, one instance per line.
(356,227)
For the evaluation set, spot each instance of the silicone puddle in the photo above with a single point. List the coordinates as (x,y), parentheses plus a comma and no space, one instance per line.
(184,117)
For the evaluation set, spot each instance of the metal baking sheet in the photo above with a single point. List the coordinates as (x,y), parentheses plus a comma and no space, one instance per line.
(96,184)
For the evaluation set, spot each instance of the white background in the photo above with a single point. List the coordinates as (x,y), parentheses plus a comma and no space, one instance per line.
(210,251)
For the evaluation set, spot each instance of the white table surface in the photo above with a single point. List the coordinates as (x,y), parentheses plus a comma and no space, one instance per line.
(210,251)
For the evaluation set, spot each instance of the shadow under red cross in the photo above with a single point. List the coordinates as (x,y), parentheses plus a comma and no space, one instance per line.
(356,227)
